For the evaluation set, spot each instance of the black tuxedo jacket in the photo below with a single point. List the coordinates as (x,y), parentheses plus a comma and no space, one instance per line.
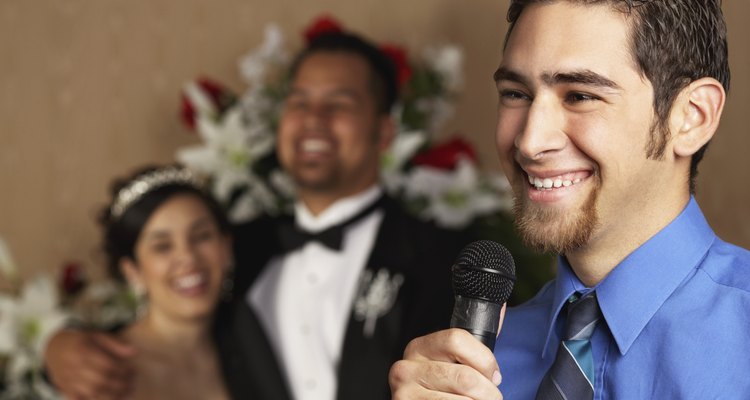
(420,252)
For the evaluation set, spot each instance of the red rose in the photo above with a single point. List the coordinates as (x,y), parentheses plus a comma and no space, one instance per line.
(220,96)
(322,25)
(397,54)
(446,154)
(72,278)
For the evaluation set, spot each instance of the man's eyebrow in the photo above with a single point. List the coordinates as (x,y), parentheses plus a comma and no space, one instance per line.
(505,74)
(343,92)
(584,77)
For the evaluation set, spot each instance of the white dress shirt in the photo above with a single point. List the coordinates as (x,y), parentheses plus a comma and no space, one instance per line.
(304,298)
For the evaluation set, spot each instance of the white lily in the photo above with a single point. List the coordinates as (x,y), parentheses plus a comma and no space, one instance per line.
(8,337)
(7,265)
(438,109)
(228,152)
(252,203)
(256,65)
(404,145)
(106,304)
(36,314)
(200,100)
(454,197)
(26,324)
(24,380)
(448,62)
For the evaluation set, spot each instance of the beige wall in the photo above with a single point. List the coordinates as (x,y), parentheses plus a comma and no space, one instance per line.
(89,89)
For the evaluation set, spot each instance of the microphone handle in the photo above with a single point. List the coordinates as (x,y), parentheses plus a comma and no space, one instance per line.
(479,317)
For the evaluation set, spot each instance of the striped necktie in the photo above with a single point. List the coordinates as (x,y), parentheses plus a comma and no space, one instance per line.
(571,376)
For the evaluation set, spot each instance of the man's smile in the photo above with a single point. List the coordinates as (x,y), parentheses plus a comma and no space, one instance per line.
(554,182)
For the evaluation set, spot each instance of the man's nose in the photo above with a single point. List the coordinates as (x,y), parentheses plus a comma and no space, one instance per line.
(543,131)
(316,116)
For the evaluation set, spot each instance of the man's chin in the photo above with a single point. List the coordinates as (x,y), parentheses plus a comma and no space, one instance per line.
(313,180)
(554,230)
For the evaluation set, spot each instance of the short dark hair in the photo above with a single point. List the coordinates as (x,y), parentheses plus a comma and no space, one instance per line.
(121,232)
(673,43)
(382,70)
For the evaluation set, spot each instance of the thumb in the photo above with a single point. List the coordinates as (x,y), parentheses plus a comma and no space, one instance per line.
(502,318)
(114,345)
(496,376)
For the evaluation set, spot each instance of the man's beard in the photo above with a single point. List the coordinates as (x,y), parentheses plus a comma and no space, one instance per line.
(555,231)
(325,180)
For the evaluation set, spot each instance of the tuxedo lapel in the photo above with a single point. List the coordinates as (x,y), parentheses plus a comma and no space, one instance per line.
(368,353)
(253,368)
(250,365)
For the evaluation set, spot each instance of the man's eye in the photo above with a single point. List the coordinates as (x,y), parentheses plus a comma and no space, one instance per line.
(339,106)
(580,97)
(514,98)
(295,104)
(513,95)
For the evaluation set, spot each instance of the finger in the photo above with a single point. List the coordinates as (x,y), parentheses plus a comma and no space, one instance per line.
(104,365)
(98,373)
(116,346)
(422,393)
(416,379)
(502,319)
(96,385)
(454,346)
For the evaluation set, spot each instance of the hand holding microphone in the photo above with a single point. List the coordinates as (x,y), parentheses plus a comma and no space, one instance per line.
(453,360)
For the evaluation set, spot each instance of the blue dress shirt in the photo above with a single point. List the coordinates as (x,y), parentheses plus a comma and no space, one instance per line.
(676,321)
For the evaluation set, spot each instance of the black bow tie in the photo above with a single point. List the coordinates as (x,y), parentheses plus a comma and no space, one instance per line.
(293,237)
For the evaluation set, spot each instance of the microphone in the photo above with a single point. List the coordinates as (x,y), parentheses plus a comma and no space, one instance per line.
(483,277)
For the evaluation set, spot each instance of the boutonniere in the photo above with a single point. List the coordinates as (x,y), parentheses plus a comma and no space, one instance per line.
(375,297)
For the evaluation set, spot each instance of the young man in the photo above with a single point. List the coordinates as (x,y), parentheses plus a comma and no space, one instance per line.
(606,108)
(307,320)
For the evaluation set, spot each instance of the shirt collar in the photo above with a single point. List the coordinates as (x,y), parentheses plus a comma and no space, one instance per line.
(337,212)
(637,287)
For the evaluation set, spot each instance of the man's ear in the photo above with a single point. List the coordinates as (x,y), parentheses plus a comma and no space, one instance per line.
(696,115)
(387,132)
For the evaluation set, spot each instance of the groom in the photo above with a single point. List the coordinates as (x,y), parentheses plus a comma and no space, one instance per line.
(311,317)
(334,320)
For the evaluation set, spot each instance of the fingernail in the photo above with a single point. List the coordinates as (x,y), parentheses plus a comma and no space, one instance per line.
(496,378)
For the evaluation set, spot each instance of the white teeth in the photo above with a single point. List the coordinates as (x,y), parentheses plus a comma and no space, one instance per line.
(549,183)
(315,145)
(189,281)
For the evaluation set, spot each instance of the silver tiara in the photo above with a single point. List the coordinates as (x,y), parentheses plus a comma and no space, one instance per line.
(151,181)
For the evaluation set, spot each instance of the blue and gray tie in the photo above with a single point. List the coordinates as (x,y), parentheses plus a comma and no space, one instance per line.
(571,376)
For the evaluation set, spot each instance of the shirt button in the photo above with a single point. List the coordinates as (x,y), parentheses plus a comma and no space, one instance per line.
(310,384)
(304,329)
(312,279)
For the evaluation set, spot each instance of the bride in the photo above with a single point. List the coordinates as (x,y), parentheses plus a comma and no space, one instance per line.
(170,240)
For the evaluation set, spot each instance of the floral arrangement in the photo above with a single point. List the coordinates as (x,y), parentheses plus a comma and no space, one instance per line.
(31,310)
(437,180)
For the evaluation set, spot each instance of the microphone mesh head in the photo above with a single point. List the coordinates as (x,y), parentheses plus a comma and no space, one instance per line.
(484,270)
